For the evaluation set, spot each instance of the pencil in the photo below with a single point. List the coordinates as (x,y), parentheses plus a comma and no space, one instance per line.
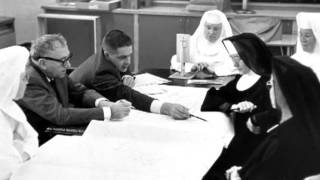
(191,115)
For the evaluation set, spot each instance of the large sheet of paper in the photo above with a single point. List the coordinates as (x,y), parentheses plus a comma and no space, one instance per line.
(152,146)
(63,157)
(141,146)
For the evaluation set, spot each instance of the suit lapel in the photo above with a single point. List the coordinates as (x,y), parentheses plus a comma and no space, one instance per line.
(59,87)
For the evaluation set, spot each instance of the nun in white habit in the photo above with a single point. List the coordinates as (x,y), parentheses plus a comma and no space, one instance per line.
(207,52)
(18,140)
(308,41)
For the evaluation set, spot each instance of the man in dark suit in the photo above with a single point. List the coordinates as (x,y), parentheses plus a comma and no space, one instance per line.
(108,73)
(54,98)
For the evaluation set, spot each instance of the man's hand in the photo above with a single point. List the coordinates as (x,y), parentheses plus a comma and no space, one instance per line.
(233,173)
(120,109)
(199,66)
(176,111)
(128,80)
(243,107)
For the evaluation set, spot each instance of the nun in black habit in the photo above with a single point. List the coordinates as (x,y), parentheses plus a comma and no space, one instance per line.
(244,99)
(292,149)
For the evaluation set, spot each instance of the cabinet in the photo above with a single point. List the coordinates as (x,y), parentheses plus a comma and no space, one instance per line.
(109,20)
(154,36)
(7,32)
(157,38)
(123,22)
(79,32)
(82,32)
(154,29)
(191,24)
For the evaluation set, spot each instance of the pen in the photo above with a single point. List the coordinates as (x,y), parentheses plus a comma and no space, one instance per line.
(191,115)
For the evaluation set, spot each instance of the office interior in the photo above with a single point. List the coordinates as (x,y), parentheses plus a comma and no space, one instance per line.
(150,23)
(153,26)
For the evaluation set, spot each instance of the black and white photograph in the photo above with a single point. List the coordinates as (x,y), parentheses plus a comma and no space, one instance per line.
(160,89)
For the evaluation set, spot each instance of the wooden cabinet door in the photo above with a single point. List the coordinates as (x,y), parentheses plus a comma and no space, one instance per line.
(157,40)
(79,33)
(123,22)
(79,36)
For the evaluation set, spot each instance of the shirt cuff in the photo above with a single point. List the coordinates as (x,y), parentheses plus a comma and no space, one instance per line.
(106,113)
(31,149)
(96,103)
(156,106)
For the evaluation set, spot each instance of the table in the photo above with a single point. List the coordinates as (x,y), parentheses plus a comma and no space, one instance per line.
(163,73)
(141,146)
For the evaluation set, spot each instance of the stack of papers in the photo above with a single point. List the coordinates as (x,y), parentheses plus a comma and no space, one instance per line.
(150,90)
(178,75)
(190,97)
(147,79)
(220,80)
(205,81)
(147,83)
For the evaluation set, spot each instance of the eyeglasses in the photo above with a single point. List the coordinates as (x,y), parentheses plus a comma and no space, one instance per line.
(64,61)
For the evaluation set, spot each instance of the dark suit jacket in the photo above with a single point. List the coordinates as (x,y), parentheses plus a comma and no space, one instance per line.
(55,102)
(101,74)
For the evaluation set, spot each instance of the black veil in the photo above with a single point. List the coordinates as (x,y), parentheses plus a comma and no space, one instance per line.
(292,151)
(298,83)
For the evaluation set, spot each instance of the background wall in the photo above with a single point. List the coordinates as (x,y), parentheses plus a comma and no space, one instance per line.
(25,13)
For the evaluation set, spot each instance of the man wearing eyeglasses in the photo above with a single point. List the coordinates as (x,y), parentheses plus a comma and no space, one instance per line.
(108,73)
(54,98)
